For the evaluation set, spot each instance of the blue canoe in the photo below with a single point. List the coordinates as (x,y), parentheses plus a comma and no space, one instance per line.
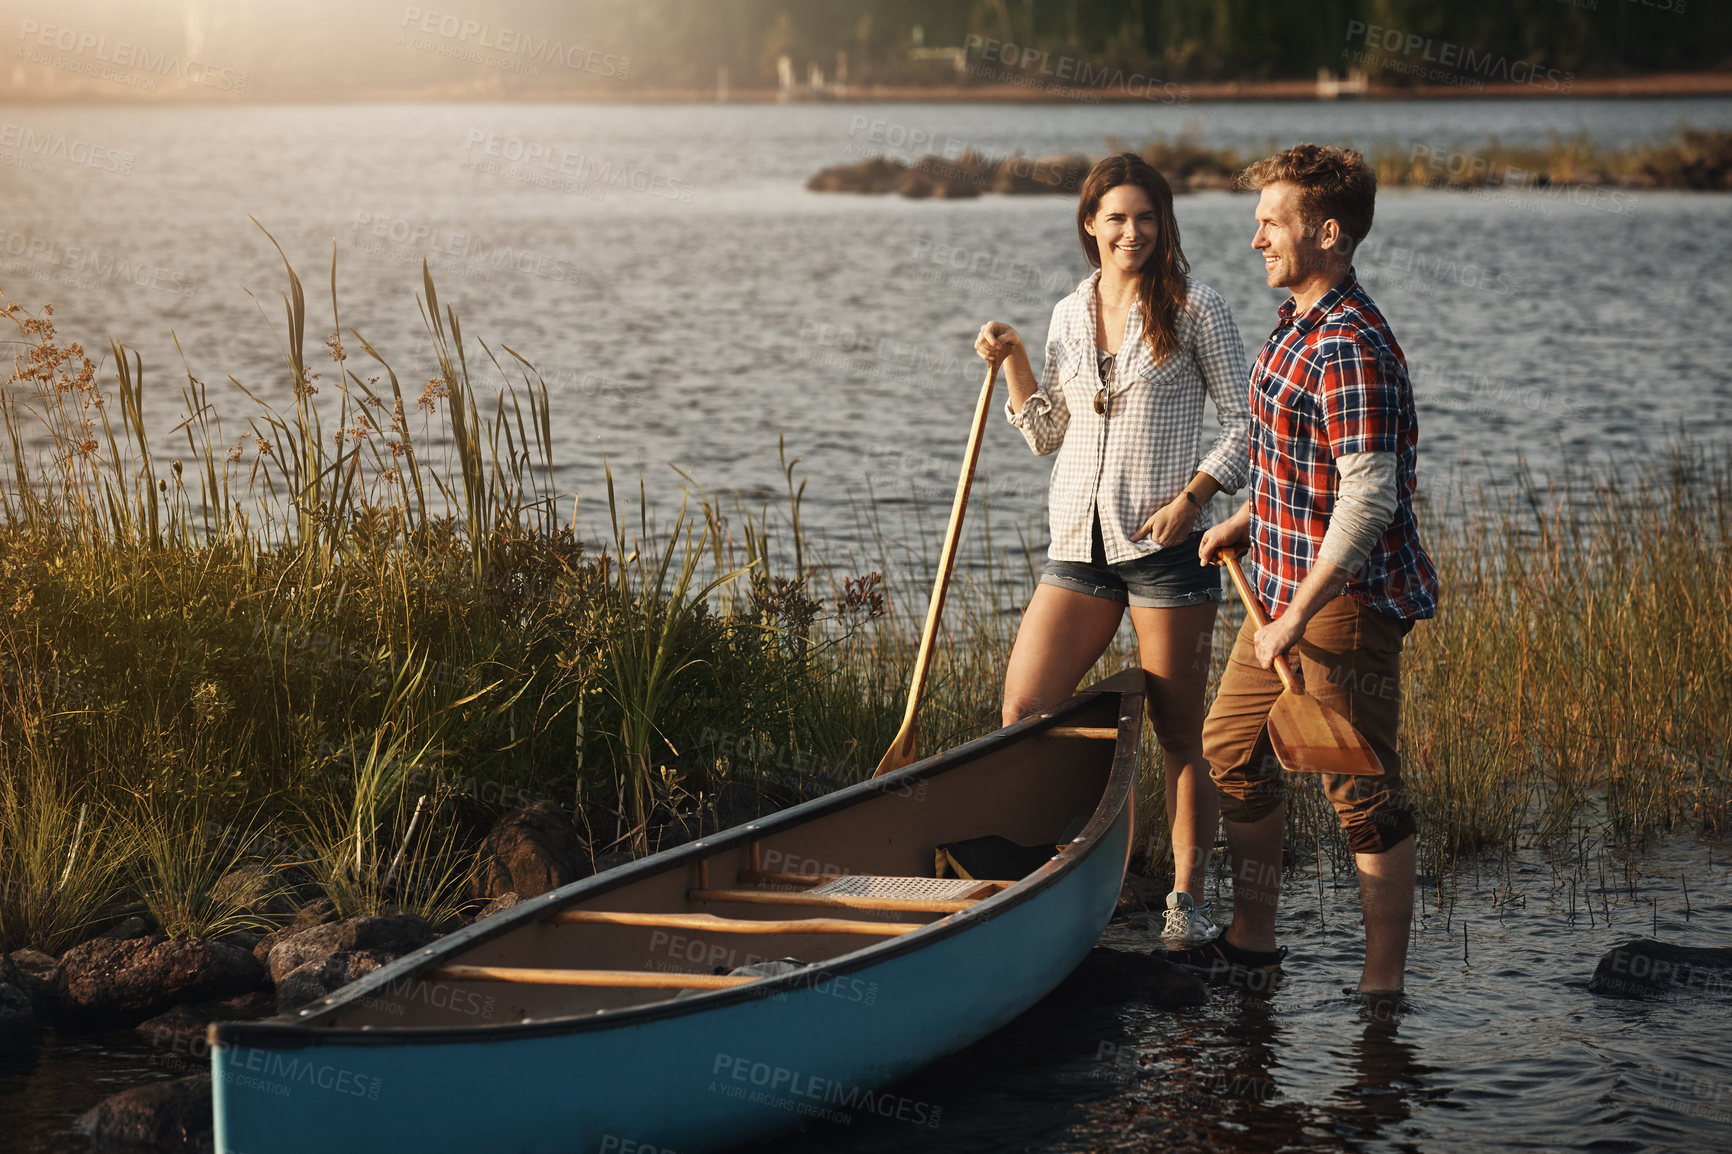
(601,1017)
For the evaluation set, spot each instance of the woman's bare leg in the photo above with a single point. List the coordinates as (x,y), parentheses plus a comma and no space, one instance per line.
(1063,633)
(1175,645)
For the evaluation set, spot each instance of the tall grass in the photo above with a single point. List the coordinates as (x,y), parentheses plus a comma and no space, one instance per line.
(352,626)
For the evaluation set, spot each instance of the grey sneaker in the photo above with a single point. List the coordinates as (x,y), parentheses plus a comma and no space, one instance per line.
(1186,925)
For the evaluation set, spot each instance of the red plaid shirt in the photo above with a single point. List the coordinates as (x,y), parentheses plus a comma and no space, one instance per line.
(1331,381)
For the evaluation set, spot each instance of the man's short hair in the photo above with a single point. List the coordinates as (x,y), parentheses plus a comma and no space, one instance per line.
(1334,184)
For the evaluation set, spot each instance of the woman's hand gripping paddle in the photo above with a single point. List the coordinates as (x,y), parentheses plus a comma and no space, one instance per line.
(901,751)
(1308,736)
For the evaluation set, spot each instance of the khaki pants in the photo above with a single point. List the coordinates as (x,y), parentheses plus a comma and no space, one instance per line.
(1351,659)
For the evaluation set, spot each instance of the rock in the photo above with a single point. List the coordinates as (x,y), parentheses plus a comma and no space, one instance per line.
(530,851)
(933,181)
(1140,895)
(112,918)
(1143,977)
(181,1030)
(1645,968)
(252,1004)
(390,936)
(257,890)
(1017,175)
(877,175)
(325,976)
(503,902)
(177,1026)
(136,926)
(612,860)
(38,975)
(1209,180)
(172,1115)
(108,979)
(19,1024)
(316,913)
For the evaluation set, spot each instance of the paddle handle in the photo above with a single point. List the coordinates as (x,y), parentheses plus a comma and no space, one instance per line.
(1255,609)
(946,564)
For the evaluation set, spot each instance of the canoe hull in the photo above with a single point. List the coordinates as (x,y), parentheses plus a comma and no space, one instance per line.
(711,1071)
(704,1081)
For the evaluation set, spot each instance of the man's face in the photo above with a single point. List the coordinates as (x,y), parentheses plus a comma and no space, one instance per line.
(1292,253)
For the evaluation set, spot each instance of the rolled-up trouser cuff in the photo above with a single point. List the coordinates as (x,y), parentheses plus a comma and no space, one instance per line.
(1350,657)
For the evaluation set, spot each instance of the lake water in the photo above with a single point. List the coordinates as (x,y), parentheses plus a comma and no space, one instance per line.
(689,303)
(1499,1047)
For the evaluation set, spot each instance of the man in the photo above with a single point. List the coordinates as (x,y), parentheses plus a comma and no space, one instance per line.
(1330,531)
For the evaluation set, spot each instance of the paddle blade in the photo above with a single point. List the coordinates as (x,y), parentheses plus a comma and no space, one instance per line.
(900,753)
(1309,737)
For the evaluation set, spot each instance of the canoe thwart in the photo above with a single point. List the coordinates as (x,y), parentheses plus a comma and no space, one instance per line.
(722,925)
(769,878)
(1099,732)
(639,979)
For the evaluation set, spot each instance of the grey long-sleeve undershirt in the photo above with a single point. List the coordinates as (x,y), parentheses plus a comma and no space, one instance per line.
(1364,508)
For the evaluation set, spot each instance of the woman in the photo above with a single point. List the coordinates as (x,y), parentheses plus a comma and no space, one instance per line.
(1129,357)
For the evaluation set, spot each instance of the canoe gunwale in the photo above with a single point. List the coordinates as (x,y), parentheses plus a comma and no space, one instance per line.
(303,1031)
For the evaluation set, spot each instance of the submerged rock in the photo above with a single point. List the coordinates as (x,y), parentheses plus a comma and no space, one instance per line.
(1646,968)
(38,975)
(175,1027)
(137,977)
(1139,895)
(530,851)
(19,1024)
(1134,976)
(172,1115)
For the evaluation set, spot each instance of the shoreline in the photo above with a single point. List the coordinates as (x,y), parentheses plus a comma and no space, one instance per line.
(1658,86)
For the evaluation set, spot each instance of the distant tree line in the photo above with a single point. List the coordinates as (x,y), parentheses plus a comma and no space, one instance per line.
(901,41)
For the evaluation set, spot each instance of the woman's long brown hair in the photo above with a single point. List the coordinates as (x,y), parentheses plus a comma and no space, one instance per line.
(1161,284)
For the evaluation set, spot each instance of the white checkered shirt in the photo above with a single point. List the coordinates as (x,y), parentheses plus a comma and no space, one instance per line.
(1143,452)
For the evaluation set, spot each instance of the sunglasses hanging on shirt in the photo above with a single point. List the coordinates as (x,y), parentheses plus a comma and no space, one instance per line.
(1104,366)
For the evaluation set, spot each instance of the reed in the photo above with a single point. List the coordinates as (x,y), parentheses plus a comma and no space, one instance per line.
(1693,158)
(177,869)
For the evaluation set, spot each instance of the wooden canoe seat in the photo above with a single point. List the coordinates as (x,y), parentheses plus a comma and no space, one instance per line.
(732,925)
(634,979)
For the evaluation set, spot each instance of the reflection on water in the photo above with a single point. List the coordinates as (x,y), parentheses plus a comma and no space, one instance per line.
(1507,1051)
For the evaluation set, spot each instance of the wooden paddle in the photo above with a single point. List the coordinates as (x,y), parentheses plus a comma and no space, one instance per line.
(901,751)
(1308,736)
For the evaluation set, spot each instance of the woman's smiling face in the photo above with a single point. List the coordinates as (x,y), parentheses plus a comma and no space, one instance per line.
(1125,227)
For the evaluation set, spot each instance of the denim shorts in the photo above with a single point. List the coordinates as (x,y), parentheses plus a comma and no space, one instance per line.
(1170,578)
